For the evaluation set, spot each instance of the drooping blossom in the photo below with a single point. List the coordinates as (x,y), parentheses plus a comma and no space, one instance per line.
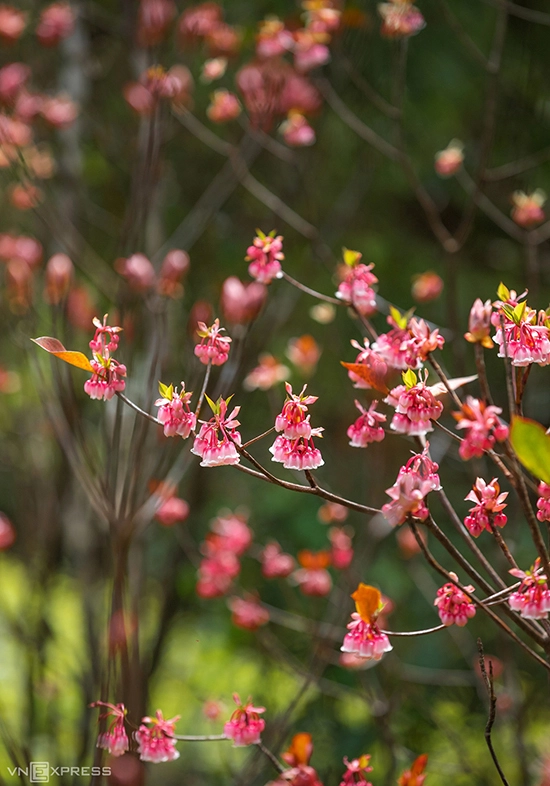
(13,78)
(245,725)
(356,287)
(12,23)
(174,267)
(273,39)
(304,352)
(215,441)
(174,411)
(522,335)
(321,16)
(224,106)
(59,275)
(332,512)
(341,551)
(213,347)
(366,429)
(489,504)
(265,256)
(172,510)
(454,606)
(266,374)
(296,131)
(114,740)
(20,247)
(482,426)
(59,111)
(415,406)
(294,448)
(449,161)
(108,374)
(223,41)
(532,599)
(275,562)
(232,532)
(543,502)
(415,480)
(216,573)
(241,303)
(7,532)
(298,756)
(155,738)
(415,776)
(479,324)
(228,539)
(400,19)
(154,19)
(356,771)
(422,341)
(427,287)
(247,613)
(527,208)
(312,576)
(213,69)
(198,21)
(138,272)
(56,22)
(155,85)
(364,637)
(310,50)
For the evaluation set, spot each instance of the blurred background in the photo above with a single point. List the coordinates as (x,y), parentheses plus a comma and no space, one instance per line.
(117,173)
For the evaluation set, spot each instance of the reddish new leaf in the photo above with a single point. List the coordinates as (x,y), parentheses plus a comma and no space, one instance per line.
(54,347)
(373,371)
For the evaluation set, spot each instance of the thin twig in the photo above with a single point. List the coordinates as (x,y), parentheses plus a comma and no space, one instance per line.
(488,680)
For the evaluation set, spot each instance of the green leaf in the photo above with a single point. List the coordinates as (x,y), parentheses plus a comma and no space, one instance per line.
(351,258)
(214,405)
(503,293)
(166,391)
(519,311)
(532,446)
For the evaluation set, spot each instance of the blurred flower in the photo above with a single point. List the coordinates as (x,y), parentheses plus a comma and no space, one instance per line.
(268,373)
(449,161)
(223,40)
(154,19)
(310,50)
(21,247)
(175,266)
(56,22)
(400,19)
(407,542)
(213,69)
(172,511)
(138,272)
(341,552)
(59,111)
(275,563)
(80,307)
(241,303)
(7,533)
(298,756)
(415,776)
(13,77)
(212,709)
(356,771)
(323,313)
(224,106)
(247,613)
(59,276)
(543,502)
(296,130)
(527,210)
(201,311)
(304,352)
(12,23)
(313,577)
(332,511)
(25,196)
(19,285)
(427,287)
(273,39)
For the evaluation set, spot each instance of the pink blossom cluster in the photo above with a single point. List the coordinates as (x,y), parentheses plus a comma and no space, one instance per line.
(115,739)
(174,411)
(415,406)
(275,562)
(217,438)
(245,725)
(294,448)
(400,19)
(248,613)
(312,576)
(356,771)
(265,256)
(56,22)
(482,425)
(154,19)
(365,639)
(543,502)
(108,374)
(204,24)
(487,511)
(142,278)
(454,606)
(213,347)
(155,85)
(228,539)
(522,335)
(155,738)
(532,599)
(356,287)
(366,429)
(414,482)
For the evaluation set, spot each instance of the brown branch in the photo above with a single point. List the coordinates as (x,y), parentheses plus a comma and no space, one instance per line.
(489,684)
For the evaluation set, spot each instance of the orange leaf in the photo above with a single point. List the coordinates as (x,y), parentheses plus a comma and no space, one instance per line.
(368,601)
(373,371)
(54,347)
(311,560)
(300,749)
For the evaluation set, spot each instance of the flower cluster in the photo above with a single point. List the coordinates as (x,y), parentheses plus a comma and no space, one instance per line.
(312,576)
(366,428)
(115,739)
(400,19)
(245,725)
(356,287)
(294,448)
(415,406)
(487,511)
(543,502)
(213,347)
(449,161)
(174,412)
(216,440)
(155,738)
(527,208)
(275,562)
(414,482)
(228,539)
(365,639)
(265,256)
(247,613)
(108,374)
(482,425)
(522,335)
(532,599)
(454,606)
(298,756)
(357,771)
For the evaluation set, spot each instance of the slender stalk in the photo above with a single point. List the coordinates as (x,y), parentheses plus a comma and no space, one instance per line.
(312,292)
(140,411)
(488,680)
(203,390)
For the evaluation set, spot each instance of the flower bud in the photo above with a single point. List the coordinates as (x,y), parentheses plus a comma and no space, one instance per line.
(479,323)
(59,276)
(241,303)
(138,272)
(12,79)
(12,24)
(449,161)
(427,286)
(224,106)
(56,23)
(527,210)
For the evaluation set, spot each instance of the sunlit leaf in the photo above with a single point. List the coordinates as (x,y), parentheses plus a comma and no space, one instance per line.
(373,371)
(54,347)
(368,602)
(409,378)
(503,293)
(351,258)
(532,446)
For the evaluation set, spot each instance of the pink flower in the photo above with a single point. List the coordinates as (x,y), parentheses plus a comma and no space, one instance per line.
(172,510)
(543,502)
(224,106)
(174,412)
(527,210)
(453,605)
(526,336)
(483,428)
(427,287)
(341,552)
(174,266)
(213,69)
(414,482)
(366,428)
(304,352)
(245,726)
(321,17)
(241,303)
(59,111)
(313,577)
(154,738)
(293,420)
(415,406)
(108,376)
(309,50)
(479,324)
(295,448)
(265,255)
(59,275)
(298,756)
(200,20)
(213,347)
(115,739)
(422,341)
(248,614)
(273,38)
(56,23)
(215,440)
(532,599)
(414,776)
(275,563)
(356,288)
(356,771)
(232,532)
(401,19)
(13,78)
(138,272)
(216,574)
(296,131)
(449,161)
(269,372)
(154,20)
(364,638)
(7,532)
(12,23)
(489,504)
